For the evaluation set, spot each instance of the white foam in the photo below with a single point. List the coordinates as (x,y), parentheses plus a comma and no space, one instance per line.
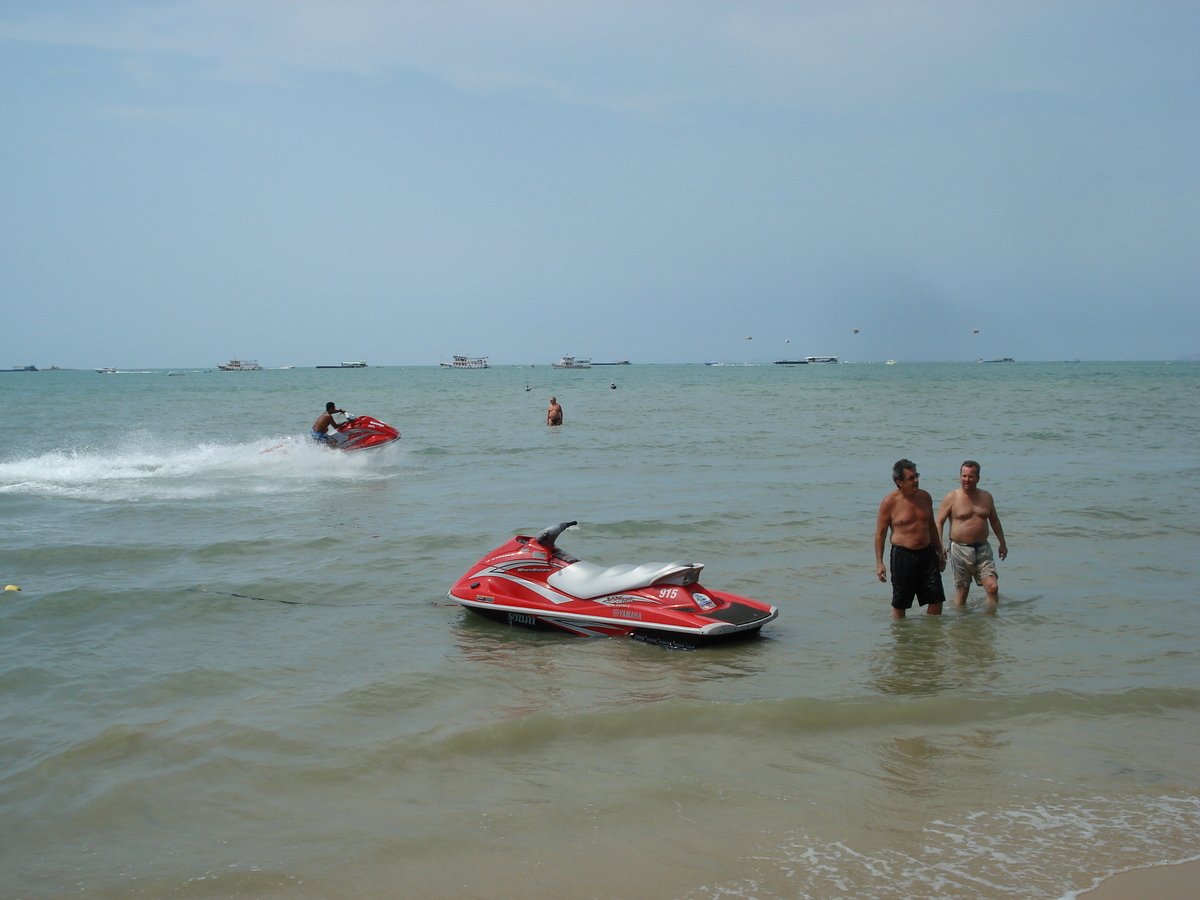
(144,468)
(1052,850)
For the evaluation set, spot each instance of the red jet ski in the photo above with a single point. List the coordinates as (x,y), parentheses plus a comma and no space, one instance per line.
(532,583)
(360,433)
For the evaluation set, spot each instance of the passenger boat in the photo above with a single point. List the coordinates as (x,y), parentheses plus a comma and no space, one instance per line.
(466,362)
(241,365)
(820,359)
(570,362)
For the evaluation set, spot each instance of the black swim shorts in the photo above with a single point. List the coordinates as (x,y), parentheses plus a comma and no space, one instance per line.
(915,572)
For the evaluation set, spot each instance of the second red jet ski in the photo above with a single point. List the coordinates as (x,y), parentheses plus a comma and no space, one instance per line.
(530,582)
(360,433)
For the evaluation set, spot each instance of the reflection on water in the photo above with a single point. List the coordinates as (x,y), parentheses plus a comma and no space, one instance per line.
(922,766)
(927,656)
(551,668)
(913,663)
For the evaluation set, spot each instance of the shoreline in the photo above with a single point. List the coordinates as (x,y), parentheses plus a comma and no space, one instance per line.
(1173,881)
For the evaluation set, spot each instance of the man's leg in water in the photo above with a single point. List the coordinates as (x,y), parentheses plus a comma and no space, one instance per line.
(991,586)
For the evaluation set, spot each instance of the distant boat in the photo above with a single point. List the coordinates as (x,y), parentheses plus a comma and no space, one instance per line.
(354,364)
(107,371)
(997,359)
(467,362)
(820,359)
(618,362)
(570,362)
(791,362)
(23,369)
(241,365)
(891,362)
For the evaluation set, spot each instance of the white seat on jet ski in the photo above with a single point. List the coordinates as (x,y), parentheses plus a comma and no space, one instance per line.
(586,580)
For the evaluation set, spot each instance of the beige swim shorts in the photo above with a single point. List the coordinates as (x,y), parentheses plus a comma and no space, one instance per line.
(971,561)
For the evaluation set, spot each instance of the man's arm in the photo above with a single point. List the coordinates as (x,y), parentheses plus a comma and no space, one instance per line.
(935,537)
(994,521)
(944,512)
(881,526)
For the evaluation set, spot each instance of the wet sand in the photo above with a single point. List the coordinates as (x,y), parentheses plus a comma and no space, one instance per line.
(1180,882)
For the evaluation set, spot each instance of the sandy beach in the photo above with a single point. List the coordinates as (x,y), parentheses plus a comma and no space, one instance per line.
(1179,882)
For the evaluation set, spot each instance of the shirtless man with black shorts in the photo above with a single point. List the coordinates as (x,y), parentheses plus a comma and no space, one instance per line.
(970,511)
(554,414)
(320,429)
(917,556)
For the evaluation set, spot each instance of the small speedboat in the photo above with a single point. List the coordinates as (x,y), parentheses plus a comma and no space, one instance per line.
(530,582)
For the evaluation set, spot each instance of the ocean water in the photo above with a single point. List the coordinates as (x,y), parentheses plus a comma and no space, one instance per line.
(233,673)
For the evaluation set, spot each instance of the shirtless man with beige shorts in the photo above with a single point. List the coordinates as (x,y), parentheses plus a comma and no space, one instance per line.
(970,511)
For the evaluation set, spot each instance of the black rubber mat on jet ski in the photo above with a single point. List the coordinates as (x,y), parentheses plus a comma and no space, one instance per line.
(737,614)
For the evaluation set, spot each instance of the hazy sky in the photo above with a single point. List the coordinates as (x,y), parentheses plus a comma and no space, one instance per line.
(309,182)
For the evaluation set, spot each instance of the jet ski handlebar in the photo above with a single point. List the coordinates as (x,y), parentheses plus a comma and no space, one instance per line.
(550,535)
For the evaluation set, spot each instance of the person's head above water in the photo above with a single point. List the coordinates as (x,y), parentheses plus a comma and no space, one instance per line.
(330,406)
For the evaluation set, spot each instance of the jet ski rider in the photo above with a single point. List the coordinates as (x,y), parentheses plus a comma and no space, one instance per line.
(320,429)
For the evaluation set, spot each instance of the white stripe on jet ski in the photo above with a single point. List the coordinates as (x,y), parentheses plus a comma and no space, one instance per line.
(551,595)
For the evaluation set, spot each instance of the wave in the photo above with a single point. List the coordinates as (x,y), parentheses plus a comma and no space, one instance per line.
(1030,849)
(150,470)
(772,718)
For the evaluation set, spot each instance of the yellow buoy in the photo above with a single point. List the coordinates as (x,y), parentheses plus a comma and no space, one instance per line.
(11,587)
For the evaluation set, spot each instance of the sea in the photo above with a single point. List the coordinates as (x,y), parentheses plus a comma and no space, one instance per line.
(233,670)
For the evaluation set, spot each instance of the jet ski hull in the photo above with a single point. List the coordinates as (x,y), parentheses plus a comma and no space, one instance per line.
(363,433)
(521,584)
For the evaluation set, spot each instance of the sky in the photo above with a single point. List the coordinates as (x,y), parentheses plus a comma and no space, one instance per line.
(307,182)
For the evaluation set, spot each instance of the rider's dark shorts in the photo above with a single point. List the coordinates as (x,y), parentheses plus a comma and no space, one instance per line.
(916,572)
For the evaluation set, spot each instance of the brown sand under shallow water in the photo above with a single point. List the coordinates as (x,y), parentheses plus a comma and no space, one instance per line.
(1181,882)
